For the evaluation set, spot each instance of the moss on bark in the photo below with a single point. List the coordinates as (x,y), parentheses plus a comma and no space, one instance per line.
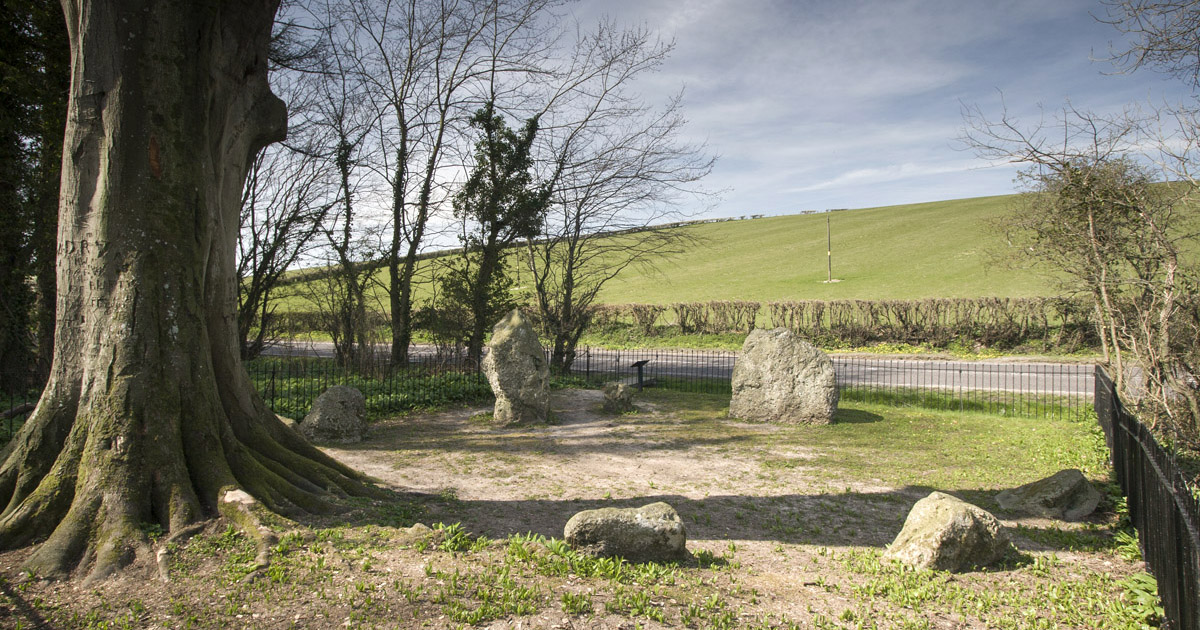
(149,416)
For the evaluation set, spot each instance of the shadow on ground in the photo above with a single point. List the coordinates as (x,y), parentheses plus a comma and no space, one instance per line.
(819,517)
(860,519)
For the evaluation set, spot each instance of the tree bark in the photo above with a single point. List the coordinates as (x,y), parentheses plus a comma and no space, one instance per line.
(401,335)
(149,416)
(480,298)
(402,280)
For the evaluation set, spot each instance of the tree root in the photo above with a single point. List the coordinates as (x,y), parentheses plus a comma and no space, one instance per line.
(162,556)
(249,515)
(94,496)
(149,415)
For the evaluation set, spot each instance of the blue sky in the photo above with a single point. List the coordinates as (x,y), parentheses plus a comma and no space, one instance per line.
(812,105)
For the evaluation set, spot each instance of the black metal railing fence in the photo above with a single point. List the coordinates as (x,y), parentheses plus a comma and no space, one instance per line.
(1010,388)
(1161,507)
(16,403)
(289,384)
(1018,389)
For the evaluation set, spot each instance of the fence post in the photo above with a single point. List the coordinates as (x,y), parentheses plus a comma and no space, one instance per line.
(960,391)
(274,369)
(1160,506)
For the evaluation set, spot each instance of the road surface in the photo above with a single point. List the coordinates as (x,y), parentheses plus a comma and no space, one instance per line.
(1060,379)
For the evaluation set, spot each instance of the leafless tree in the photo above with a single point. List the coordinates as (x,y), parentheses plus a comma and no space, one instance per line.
(427,66)
(1163,34)
(289,193)
(1097,214)
(343,119)
(617,167)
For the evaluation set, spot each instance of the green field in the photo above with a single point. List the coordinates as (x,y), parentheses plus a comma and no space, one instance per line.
(936,249)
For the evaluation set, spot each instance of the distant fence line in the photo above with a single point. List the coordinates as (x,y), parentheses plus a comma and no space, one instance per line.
(16,405)
(1161,507)
(290,385)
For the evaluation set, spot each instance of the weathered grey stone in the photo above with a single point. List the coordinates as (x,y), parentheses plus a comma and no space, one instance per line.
(1066,495)
(651,533)
(516,368)
(781,378)
(338,415)
(948,534)
(618,397)
(288,422)
(418,533)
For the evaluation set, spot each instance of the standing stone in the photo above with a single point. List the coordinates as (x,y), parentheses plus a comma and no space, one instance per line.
(1066,495)
(651,533)
(781,378)
(338,415)
(948,534)
(516,368)
(618,398)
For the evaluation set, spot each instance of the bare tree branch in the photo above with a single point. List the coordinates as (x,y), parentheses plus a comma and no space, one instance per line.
(617,167)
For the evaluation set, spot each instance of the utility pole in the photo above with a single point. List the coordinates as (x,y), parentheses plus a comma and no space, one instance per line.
(829,248)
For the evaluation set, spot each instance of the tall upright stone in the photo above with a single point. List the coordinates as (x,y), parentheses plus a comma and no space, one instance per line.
(517,370)
(781,378)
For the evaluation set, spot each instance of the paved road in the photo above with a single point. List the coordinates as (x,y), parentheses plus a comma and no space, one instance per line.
(1065,379)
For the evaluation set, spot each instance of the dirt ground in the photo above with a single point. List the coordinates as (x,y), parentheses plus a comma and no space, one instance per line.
(533,479)
(780,539)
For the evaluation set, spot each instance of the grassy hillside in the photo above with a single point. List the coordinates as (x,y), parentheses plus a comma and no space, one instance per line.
(937,249)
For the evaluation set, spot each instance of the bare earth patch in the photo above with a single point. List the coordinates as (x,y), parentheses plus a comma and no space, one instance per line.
(786,526)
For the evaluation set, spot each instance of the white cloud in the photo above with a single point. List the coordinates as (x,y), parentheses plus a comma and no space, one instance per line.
(889,173)
(811,103)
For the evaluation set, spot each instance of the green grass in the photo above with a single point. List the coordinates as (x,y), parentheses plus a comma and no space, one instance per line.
(924,250)
(899,446)
(290,386)
(936,249)
(942,249)
(797,542)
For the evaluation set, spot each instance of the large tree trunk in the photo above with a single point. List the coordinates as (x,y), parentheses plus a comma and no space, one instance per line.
(149,415)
